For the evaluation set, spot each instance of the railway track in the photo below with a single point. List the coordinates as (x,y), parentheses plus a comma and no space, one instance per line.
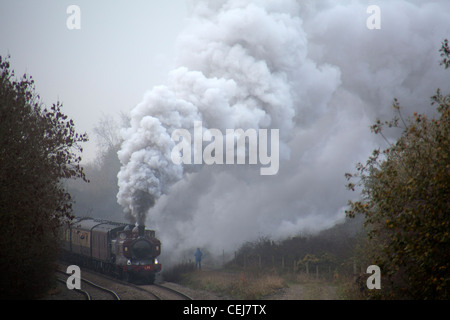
(93,291)
(83,293)
(161,292)
(122,288)
(173,291)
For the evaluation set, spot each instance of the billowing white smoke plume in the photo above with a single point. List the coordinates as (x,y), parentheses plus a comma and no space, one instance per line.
(242,66)
(311,69)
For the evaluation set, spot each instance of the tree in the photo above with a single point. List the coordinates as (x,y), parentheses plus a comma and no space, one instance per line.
(99,198)
(39,148)
(107,132)
(405,198)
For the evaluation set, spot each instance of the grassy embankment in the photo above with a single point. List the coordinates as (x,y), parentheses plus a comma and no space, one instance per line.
(258,284)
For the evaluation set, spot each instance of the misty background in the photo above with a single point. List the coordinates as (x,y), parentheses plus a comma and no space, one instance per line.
(328,79)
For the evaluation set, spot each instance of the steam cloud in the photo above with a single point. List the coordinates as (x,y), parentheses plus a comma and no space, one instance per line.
(309,68)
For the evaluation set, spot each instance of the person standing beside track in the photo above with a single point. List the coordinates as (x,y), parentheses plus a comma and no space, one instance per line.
(198,258)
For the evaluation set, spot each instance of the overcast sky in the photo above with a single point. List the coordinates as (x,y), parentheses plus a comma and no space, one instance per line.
(322,75)
(122,49)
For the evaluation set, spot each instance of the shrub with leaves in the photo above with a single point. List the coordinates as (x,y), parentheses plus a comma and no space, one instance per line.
(405,197)
(39,148)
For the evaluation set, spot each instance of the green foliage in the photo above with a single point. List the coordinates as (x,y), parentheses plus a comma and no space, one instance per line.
(38,149)
(405,199)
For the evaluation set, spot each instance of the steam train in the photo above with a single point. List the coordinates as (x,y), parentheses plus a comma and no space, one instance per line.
(118,249)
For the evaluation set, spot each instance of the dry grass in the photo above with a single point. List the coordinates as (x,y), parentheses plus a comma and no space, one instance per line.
(258,284)
(241,285)
(323,289)
(175,273)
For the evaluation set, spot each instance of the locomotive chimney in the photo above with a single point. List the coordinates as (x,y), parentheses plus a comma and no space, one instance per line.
(141,231)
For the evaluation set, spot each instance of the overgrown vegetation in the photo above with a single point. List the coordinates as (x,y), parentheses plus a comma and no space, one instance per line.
(405,199)
(328,252)
(39,148)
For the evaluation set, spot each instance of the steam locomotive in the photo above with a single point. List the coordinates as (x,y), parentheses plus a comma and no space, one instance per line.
(118,249)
